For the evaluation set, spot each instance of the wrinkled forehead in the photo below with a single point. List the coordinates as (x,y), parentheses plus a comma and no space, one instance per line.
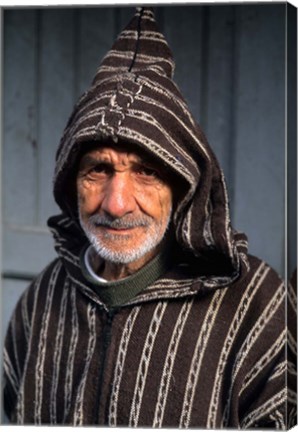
(68,190)
(136,154)
(111,152)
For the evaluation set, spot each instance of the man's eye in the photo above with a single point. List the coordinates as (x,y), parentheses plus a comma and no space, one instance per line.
(148,172)
(99,169)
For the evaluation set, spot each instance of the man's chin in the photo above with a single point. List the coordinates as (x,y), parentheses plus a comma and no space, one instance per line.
(125,246)
(123,251)
(121,256)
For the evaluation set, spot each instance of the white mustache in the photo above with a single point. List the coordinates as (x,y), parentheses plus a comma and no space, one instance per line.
(124,222)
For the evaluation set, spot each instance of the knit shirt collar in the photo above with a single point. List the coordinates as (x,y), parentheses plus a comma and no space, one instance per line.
(117,293)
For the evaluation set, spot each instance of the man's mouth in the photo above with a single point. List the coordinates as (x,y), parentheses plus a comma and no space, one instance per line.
(117,230)
(120,224)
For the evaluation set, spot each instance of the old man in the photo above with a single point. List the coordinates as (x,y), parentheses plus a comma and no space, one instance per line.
(153,314)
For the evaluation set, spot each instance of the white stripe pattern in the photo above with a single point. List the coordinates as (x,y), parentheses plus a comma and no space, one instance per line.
(292,343)
(197,359)
(141,58)
(25,316)
(10,372)
(251,338)
(144,363)
(258,327)
(227,216)
(129,325)
(147,118)
(153,102)
(264,410)
(145,35)
(281,369)
(156,87)
(43,339)
(253,335)
(71,353)
(58,352)
(169,364)
(79,412)
(15,348)
(263,362)
(166,282)
(21,396)
(160,294)
(292,297)
(246,299)
(161,152)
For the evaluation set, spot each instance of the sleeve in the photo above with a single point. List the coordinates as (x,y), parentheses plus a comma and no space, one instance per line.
(268,392)
(15,349)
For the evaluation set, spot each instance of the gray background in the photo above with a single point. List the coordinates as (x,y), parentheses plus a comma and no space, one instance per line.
(231,67)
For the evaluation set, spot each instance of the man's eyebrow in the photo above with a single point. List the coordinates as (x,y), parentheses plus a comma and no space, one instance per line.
(91,160)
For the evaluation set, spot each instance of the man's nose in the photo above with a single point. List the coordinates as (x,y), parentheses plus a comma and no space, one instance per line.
(119,196)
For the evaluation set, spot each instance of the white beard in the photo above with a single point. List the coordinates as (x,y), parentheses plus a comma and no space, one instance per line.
(154,233)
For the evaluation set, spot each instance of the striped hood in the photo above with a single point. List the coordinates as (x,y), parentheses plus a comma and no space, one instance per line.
(133,99)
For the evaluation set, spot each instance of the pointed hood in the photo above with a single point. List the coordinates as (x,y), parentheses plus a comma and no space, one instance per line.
(133,99)
(140,47)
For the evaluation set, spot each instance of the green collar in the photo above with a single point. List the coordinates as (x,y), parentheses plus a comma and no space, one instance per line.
(118,293)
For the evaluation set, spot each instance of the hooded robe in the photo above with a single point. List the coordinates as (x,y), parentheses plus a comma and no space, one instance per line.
(196,338)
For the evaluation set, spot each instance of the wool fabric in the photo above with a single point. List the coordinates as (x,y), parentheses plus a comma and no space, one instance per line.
(177,354)
(196,340)
(134,100)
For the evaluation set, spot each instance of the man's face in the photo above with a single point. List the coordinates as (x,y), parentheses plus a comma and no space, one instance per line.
(124,203)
